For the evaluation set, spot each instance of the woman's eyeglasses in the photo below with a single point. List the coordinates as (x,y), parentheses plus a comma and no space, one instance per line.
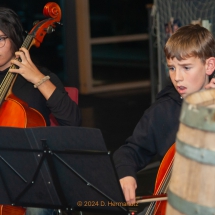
(2,41)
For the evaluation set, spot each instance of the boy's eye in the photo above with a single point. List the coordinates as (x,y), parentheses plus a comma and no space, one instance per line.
(187,68)
(172,68)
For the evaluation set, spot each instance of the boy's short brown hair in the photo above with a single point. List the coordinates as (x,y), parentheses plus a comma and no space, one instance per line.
(190,41)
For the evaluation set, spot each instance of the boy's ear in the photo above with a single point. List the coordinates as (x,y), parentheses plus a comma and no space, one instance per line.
(210,65)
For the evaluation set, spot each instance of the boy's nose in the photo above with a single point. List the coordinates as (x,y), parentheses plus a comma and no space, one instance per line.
(178,76)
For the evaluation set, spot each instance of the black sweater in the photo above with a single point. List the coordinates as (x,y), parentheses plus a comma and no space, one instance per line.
(59,104)
(153,135)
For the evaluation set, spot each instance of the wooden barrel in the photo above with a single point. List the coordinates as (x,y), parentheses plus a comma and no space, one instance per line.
(192,185)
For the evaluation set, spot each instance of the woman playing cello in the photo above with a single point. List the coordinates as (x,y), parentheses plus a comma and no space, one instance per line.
(47,97)
(35,85)
(190,56)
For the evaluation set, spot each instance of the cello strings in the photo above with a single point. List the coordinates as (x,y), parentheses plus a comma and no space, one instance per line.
(165,185)
(151,209)
(9,77)
(5,85)
(162,188)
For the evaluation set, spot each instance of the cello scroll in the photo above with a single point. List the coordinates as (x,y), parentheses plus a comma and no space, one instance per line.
(40,29)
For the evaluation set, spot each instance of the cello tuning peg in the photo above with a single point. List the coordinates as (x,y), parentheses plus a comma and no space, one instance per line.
(50,29)
(59,23)
(24,33)
(35,22)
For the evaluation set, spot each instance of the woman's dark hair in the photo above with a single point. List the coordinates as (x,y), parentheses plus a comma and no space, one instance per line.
(11,26)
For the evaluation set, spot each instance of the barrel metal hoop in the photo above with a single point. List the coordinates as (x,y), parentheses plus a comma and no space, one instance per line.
(199,117)
(187,207)
(200,155)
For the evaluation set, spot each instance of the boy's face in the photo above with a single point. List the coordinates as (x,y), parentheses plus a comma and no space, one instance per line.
(188,76)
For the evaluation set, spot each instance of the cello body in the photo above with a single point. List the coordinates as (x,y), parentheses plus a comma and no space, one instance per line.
(16,113)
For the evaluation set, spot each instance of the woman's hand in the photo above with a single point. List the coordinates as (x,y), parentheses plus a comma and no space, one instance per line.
(30,72)
(26,69)
(129,186)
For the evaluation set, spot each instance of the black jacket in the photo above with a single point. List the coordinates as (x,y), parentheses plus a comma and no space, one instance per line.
(59,104)
(153,135)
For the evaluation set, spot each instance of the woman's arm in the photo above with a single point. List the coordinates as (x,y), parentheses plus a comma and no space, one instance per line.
(62,107)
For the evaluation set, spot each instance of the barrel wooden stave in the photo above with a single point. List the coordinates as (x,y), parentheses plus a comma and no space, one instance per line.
(193,180)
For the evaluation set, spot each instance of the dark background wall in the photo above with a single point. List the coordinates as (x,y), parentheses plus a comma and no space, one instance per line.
(58,51)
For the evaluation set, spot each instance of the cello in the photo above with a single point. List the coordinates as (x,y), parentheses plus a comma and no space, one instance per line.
(159,199)
(13,111)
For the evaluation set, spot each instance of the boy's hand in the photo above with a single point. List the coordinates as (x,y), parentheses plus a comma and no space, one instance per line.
(211,84)
(129,186)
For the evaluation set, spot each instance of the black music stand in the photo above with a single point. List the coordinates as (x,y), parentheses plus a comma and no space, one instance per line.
(58,167)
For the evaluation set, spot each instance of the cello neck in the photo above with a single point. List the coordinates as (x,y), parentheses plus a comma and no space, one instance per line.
(9,79)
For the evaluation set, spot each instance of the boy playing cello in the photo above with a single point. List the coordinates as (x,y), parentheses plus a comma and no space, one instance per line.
(190,56)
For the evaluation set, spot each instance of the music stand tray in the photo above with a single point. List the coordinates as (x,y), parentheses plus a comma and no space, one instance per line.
(58,167)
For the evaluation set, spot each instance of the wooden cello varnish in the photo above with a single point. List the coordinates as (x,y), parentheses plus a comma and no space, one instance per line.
(13,111)
(11,210)
(16,113)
